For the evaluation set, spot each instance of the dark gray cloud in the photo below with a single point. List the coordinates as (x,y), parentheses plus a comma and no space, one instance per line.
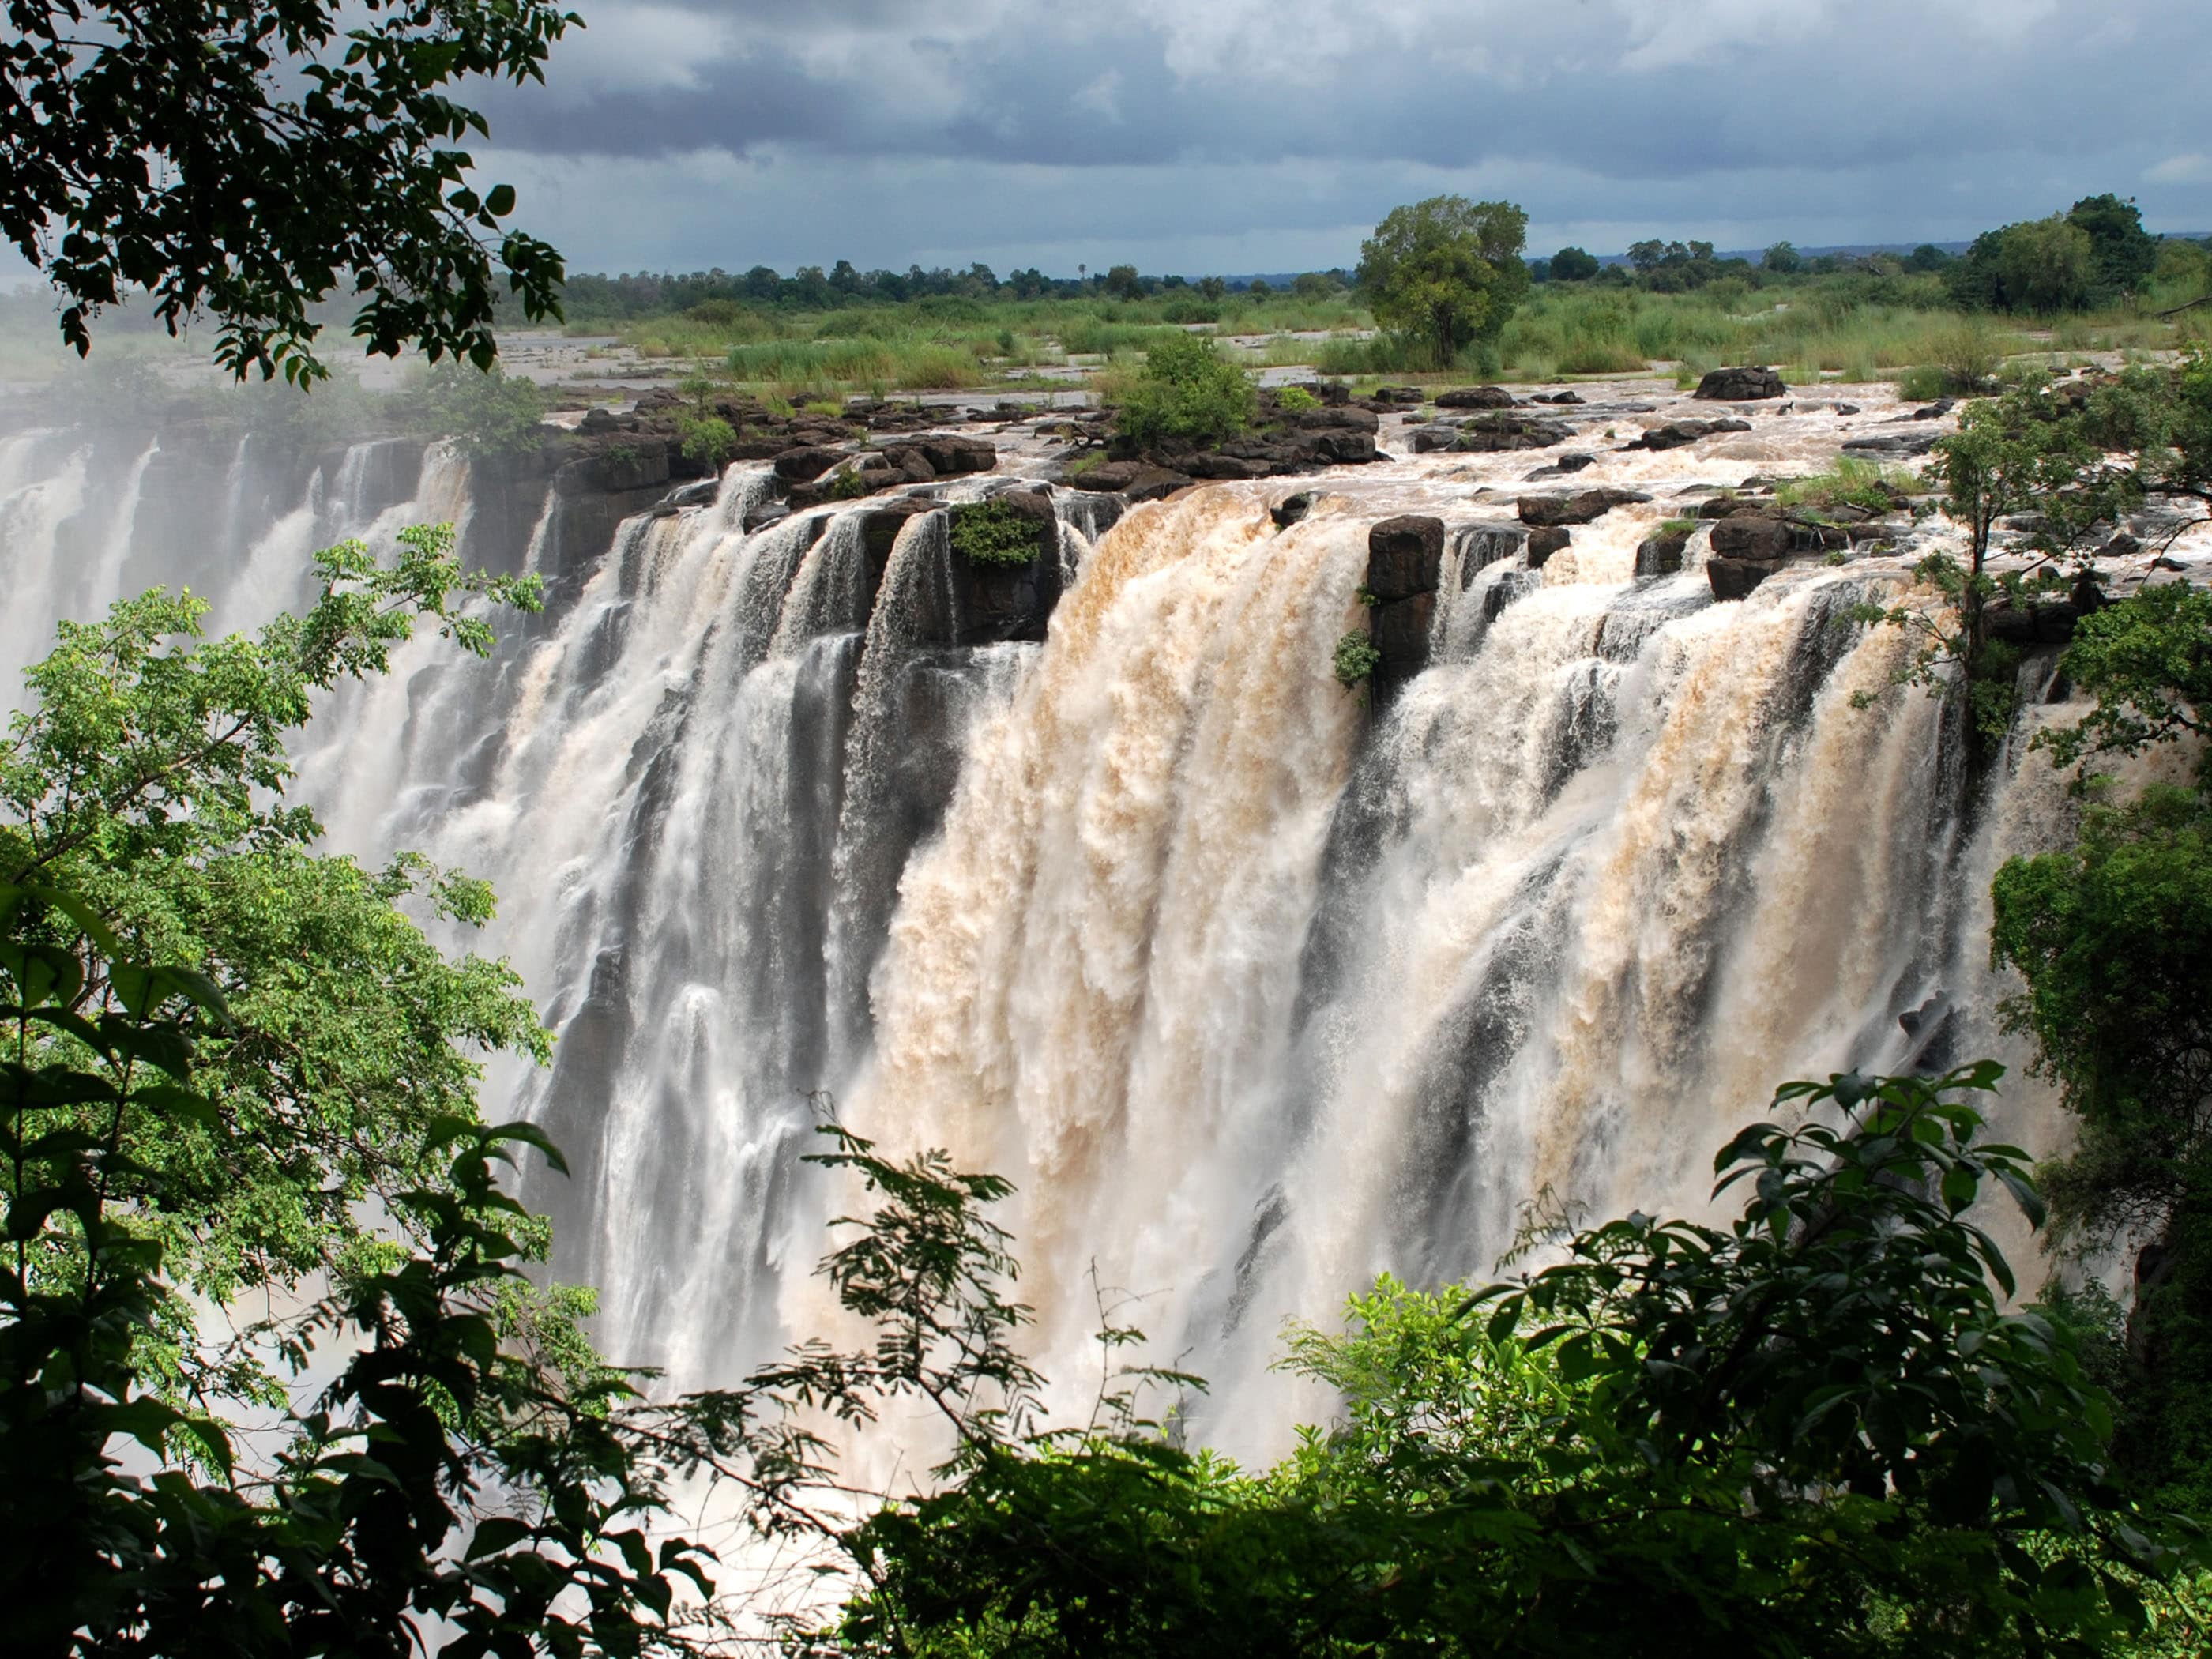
(1269,133)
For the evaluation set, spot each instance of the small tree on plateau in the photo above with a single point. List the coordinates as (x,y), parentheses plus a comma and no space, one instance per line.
(1447,269)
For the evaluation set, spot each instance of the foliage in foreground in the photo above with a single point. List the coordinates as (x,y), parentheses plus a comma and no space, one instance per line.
(246,159)
(1816,1431)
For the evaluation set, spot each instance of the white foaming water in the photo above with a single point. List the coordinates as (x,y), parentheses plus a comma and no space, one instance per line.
(1253,990)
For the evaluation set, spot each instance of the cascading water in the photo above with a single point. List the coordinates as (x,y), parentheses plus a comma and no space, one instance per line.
(1254,991)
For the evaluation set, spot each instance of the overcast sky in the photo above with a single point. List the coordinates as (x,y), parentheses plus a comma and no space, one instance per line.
(1198,135)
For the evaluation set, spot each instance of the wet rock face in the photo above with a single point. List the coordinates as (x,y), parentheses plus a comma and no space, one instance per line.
(1731,579)
(988,602)
(1661,555)
(1405,556)
(1405,564)
(1549,511)
(1741,385)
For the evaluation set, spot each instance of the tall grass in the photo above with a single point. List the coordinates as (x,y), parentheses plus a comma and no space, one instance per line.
(1853,329)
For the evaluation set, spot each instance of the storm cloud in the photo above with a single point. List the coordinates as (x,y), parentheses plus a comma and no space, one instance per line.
(1242,134)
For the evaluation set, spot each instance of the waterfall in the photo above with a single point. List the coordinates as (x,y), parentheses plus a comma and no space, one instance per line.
(1254,985)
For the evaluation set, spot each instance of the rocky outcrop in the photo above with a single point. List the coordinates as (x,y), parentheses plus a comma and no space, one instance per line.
(2048,621)
(1675,434)
(1397,394)
(1754,542)
(1739,385)
(1489,434)
(1661,554)
(1550,511)
(1405,556)
(1405,564)
(1475,397)
(806,462)
(1140,480)
(990,601)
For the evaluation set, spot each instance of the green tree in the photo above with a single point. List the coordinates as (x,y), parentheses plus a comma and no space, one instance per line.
(1782,259)
(2046,265)
(447,1483)
(1123,283)
(2123,254)
(1573,264)
(2009,455)
(1447,271)
(246,159)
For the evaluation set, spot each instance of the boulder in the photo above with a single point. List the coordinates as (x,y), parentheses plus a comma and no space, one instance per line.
(1675,434)
(1343,416)
(1433,437)
(806,462)
(1572,462)
(880,529)
(1741,385)
(1476,397)
(1941,407)
(1549,511)
(1291,509)
(597,420)
(1567,396)
(1405,556)
(1731,579)
(1751,536)
(1397,394)
(1546,540)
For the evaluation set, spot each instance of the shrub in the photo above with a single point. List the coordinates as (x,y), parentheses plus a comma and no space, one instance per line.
(1356,660)
(706,438)
(992,533)
(1924,381)
(1189,393)
(1968,354)
(1297,397)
